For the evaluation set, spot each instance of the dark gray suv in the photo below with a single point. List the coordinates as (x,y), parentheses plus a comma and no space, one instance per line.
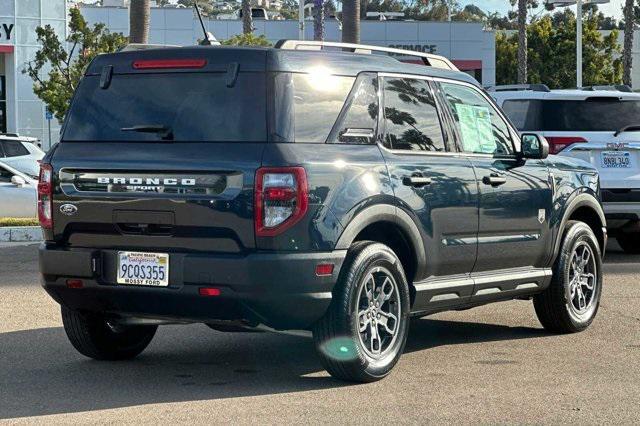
(283,188)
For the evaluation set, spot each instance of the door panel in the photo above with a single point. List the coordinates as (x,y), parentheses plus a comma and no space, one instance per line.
(514,230)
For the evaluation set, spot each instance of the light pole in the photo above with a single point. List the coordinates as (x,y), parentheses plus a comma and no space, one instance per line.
(578,3)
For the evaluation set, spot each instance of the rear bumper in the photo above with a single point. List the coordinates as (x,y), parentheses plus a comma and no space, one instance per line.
(621,211)
(279,290)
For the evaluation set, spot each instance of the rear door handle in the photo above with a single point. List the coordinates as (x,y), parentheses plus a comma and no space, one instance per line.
(494,180)
(416,181)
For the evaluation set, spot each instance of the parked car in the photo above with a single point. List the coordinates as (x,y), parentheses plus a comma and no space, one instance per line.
(17,193)
(600,125)
(21,153)
(296,188)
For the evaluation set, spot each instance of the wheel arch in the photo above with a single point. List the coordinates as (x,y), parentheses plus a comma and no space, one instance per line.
(584,208)
(391,226)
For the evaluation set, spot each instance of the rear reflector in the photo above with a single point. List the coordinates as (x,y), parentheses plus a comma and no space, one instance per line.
(324,269)
(169,63)
(75,283)
(558,143)
(209,291)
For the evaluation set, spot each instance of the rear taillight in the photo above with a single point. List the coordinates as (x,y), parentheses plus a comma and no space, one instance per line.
(558,143)
(281,199)
(45,195)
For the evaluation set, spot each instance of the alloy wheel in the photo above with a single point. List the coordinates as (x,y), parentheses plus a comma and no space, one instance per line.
(583,281)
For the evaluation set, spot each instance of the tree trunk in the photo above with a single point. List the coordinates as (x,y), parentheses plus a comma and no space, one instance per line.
(139,16)
(318,20)
(522,41)
(247,19)
(629,24)
(351,21)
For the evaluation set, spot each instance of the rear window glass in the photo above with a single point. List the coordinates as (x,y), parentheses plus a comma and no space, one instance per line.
(307,105)
(591,115)
(192,107)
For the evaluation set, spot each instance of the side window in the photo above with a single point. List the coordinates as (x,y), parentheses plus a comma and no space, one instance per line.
(14,149)
(411,117)
(524,114)
(5,175)
(359,121)
(481,128)
(307,105)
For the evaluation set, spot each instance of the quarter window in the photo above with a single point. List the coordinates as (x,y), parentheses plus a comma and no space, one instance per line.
(481,128)
(411,117)
(359,121)
(14,149)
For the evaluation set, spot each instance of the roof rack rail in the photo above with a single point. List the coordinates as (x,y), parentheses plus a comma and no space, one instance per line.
(515,87)
(616,87)
(15,135)
(428,59)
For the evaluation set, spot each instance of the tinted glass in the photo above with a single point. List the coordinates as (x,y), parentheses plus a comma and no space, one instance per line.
(590,115)
(411,117)
(14,149)
(524,114)
(194,107)
(361,111)
(481,128)
(307,105)
(5,175)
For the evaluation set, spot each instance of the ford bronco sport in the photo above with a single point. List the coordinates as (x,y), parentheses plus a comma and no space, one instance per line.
(294,189)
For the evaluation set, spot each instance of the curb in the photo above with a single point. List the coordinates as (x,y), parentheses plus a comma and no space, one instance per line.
(15,234)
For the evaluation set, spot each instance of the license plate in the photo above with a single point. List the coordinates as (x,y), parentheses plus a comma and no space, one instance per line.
(150,269)
(616,160)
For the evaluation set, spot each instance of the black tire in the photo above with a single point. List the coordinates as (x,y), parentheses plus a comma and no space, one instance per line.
(90,334)
(557,311)
(629,242)
(337,335)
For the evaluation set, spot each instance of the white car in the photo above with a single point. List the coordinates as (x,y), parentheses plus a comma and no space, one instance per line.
(599,124)
(17,193)
(21,153)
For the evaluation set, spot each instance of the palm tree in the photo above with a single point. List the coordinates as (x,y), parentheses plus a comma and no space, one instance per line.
(318,20)
(351,21)
(629,24)
(522,41)
(247,19)
(139,16)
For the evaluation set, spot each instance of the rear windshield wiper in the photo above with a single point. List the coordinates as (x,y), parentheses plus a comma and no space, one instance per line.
(629,128)
(165,132)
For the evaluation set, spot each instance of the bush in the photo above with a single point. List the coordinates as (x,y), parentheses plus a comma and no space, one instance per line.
(18,221)
(247,40)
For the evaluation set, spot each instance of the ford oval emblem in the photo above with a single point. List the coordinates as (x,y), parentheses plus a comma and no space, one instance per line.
(68,209)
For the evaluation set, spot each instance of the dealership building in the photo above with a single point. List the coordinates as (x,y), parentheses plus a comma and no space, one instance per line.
(469,45)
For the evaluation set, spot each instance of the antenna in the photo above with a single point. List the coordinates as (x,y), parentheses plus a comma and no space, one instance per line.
(207,37)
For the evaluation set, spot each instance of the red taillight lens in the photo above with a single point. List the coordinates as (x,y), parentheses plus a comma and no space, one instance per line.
(45,196)
(558,143)
(209,291)
(281,199)
(169,63)
(324,269)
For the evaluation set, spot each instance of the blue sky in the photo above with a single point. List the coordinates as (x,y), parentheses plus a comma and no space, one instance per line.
(614,8)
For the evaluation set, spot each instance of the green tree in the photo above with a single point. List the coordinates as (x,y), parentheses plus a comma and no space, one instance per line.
(64,68)
(249,39)
(552,54)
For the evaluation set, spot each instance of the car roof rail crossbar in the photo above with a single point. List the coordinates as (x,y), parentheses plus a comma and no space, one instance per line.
(428,59)
(142,46)
(616,87)
(536,87)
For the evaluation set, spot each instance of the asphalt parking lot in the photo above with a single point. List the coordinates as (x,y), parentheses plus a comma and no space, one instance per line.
(492,364)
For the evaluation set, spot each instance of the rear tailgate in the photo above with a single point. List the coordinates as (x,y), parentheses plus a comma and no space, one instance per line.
(159,152)
(189,196)
(617,158)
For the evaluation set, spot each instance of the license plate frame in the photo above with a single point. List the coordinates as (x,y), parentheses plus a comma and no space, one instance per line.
(616,165)
(142,269)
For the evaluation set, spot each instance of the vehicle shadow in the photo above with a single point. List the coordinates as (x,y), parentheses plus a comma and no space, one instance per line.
(41,374)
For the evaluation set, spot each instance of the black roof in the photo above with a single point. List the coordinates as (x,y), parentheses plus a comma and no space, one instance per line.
(270,59)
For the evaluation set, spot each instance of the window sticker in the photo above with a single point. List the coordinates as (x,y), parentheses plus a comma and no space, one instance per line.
(476,128)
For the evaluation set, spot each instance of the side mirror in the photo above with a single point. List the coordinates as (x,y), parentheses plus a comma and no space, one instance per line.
(534,146)
(18,181)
